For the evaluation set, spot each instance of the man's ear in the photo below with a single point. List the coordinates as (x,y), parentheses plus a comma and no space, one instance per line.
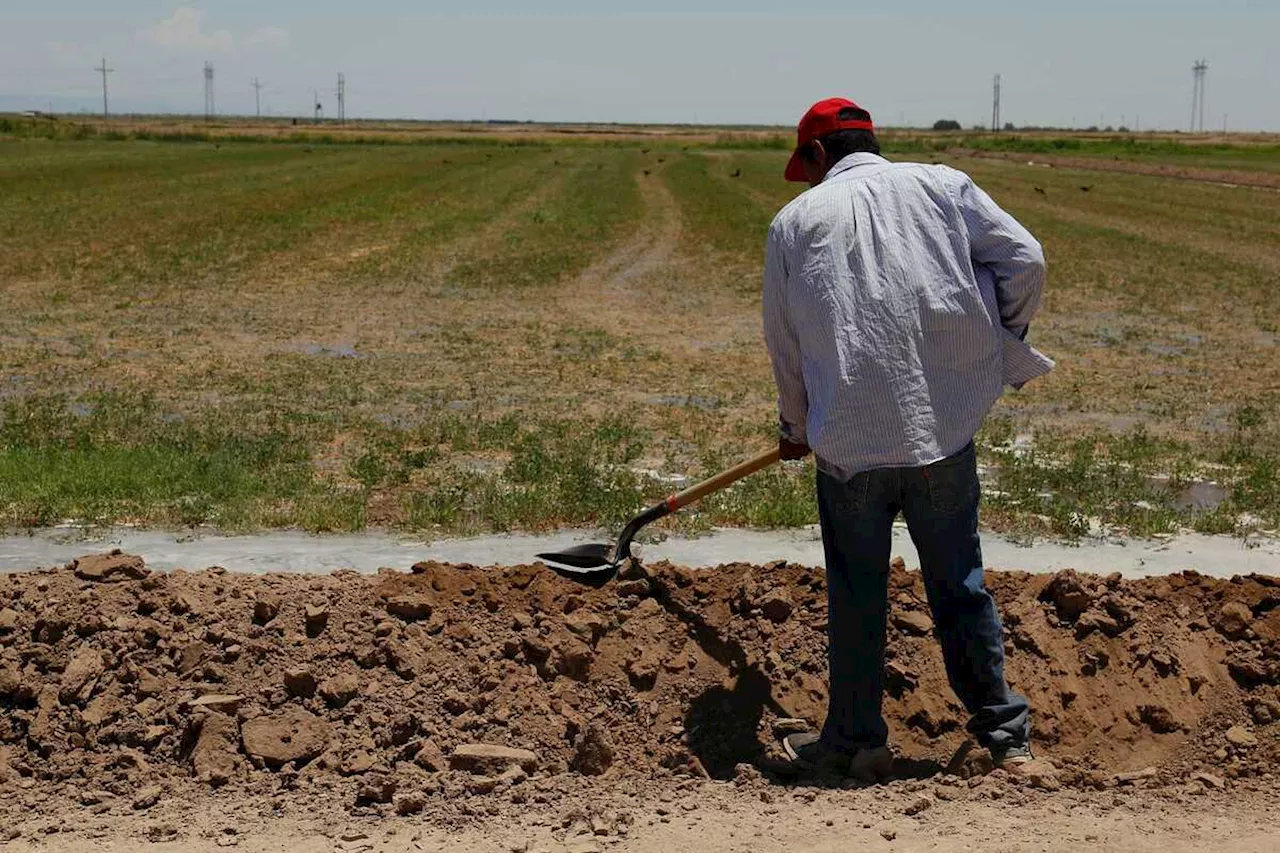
(819,153)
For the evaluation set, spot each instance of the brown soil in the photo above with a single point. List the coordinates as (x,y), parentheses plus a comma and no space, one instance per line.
(460,692)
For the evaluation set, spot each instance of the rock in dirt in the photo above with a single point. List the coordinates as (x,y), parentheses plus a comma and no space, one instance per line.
(1210,781)
(148,797)
(913,622)
(485,759)
(294,735)
(638,587)
(918,806)
(357,763)
(1233,619)
(340,689)
(110,567)
(592,751)
(223,703)
(410,804)
(429,757)
(1095,619)
(265,609)
(1263,711)
(300,682)
(191,656)
(789,726)
(1038,773)
(214,758)
(375,789)
(1068,594)
(1241,737)
(316,617)
(776,605)
(410,607)
(81,674)
(1135,776)
(8,620)
(10,681)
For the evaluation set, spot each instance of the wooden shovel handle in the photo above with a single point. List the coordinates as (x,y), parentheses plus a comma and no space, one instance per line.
(719,481)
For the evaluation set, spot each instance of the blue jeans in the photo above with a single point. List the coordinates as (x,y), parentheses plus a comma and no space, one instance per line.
(940,502)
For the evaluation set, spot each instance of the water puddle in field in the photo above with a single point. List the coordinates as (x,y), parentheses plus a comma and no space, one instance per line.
(1199,496)
(289,551)
(332,350)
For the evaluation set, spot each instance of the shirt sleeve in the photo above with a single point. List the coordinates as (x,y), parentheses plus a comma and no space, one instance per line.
(783,341)
(1015,258)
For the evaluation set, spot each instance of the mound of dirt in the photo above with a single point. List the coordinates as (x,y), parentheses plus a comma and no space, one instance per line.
(454,681)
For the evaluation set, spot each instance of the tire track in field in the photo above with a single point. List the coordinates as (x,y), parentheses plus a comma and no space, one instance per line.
(665,301)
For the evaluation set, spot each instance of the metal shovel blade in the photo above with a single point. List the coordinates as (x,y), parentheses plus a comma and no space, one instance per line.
(581,557)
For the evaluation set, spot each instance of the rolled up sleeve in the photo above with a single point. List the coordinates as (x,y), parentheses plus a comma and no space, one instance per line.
(783,341)
(1014,257)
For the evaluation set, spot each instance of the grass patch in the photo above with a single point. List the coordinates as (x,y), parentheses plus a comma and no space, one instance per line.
(111,459)
(345,336)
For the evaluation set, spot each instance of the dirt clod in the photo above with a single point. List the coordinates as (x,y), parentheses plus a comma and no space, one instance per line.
(592,751)
(1233,619)
(110,567)
(1241,737)
(293,735)
(485,759)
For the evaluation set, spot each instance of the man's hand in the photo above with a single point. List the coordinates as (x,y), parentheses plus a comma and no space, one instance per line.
(789,450)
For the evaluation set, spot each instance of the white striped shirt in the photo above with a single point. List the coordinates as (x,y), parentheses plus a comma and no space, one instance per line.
(896,297)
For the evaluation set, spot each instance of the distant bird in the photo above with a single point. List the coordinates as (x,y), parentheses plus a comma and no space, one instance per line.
(662,159)
(736,173)
(1086,189)
(646,171)
(447,162)
(1041,191)
(644,150)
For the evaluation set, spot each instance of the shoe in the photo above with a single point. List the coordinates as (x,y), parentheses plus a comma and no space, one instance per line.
(1019,763)
(809,754)
(1008,757)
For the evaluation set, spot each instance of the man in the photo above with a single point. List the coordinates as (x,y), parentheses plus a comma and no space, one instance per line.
(896,300)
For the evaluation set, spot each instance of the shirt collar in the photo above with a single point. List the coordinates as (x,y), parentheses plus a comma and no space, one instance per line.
(853,161)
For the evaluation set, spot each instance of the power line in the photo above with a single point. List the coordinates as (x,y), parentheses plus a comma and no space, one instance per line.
(105,71)
(257,96)
(208,91)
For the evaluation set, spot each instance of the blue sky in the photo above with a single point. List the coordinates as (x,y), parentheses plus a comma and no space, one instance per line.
(914,61)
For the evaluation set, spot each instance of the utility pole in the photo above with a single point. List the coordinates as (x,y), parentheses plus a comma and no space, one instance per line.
(257,97)
(342,97)
(1204,68)
(208,91)
(105,71)
(315,94)
(1197,93)
(995,106)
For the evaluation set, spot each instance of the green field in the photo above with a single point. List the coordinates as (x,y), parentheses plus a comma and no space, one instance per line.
(454,336)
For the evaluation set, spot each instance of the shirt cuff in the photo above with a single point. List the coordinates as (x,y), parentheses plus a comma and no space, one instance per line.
(792,432)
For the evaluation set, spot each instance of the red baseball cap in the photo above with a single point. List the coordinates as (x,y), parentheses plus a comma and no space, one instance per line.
(822,118)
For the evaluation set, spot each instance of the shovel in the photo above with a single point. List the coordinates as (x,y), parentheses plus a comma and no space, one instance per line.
(597,564)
